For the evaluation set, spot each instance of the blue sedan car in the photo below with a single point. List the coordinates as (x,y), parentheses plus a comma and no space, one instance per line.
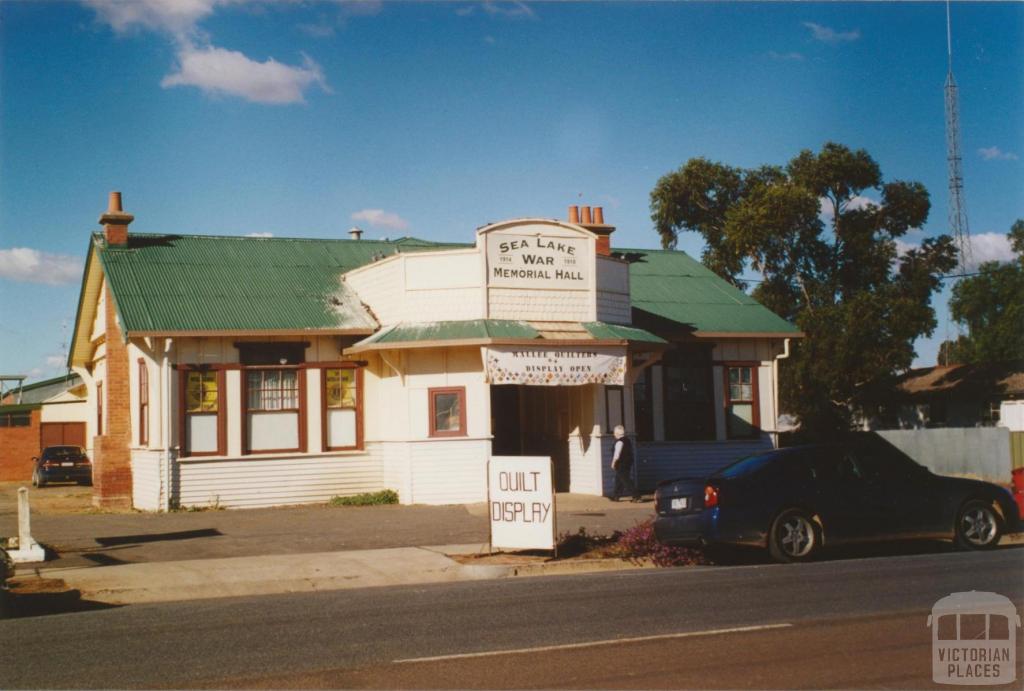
(62,464)
(795,501)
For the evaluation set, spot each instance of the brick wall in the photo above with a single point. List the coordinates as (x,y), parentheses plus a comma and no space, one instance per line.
(112,470)
(17,447)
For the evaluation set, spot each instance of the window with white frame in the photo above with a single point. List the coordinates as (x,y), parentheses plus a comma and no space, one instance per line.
(273,407)
(742,414)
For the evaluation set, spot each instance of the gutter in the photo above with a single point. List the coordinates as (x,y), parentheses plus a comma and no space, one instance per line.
(775,384)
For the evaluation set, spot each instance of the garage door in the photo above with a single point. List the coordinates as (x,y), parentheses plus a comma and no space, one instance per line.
(61,434)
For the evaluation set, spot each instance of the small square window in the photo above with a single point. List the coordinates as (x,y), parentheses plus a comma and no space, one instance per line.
(447,412)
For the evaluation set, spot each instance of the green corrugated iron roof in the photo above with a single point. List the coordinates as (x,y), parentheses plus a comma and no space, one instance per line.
(672,285)
(226,283)
(617,332)
(19,407)
(472,329)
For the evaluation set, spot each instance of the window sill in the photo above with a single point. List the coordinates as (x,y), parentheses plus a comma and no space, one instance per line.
(270,456)
(663,442)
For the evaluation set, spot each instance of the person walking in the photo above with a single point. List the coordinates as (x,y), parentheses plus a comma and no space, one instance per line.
(622,464)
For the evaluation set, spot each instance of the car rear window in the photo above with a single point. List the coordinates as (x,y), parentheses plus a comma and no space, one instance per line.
(63,452)
(746,466)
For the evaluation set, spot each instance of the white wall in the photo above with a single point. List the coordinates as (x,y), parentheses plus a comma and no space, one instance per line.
(613,301)
(149,480)
(417,287)
(280,480)
(77,411)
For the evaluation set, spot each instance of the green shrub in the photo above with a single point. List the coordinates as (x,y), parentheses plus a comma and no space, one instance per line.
(385,496)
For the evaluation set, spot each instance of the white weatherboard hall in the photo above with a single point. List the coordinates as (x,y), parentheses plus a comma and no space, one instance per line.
(244,371)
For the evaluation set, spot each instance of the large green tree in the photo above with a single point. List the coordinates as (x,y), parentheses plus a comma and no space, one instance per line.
(828,261)
(991,306)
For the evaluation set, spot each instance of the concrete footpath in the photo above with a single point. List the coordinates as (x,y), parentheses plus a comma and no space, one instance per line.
(131,557)
(294,573)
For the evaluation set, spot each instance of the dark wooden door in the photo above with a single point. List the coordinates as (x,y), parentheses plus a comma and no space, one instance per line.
(61,434)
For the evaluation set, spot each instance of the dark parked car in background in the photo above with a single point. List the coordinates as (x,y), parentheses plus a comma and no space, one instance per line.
(62,464)
(795,501)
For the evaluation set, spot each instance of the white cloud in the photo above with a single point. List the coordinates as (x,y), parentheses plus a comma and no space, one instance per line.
(27,265)
(381,219)
(214,70)
(490,40)
(903,247)
(990,247)
(509,9)
(56,361)
(984,247)
(852,204)
(221,71)
(323,29)
(177,17)
(829,35)
(512,10)
(259,235)
(794,56)
(329,23)
(994,153)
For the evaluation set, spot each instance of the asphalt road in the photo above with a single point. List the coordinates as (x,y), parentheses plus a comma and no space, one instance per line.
(851,623)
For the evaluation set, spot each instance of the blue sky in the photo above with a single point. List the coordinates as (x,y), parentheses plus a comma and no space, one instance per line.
(303,119)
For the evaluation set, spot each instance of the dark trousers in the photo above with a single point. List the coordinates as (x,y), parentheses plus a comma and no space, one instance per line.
(624,483)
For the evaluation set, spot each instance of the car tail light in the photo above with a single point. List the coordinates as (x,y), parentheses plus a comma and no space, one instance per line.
(710,496)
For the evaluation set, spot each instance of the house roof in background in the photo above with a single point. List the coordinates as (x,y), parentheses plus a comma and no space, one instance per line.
(39,391)
(214,283)
(1005,378)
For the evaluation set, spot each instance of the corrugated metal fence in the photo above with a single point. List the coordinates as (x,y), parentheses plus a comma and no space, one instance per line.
(1016,450)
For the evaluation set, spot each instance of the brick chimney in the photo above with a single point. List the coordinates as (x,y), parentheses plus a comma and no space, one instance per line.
(115,222)
(594,222)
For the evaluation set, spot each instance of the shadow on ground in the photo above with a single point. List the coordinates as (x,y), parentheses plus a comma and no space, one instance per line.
(42,596)
(724,556)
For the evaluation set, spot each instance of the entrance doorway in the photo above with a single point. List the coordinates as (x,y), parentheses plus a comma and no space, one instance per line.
(541,421)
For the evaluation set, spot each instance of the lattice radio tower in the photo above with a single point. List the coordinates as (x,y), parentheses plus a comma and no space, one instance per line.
(957,208)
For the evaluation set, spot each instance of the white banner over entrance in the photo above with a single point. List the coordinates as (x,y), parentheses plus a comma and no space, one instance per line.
(521,500)
(555,366)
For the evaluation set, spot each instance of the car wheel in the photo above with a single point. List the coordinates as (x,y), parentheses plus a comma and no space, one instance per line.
(37,480)
(978,526)
(794,537)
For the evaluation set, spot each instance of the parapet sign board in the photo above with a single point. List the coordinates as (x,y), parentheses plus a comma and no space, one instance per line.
(538,261)
(521,500)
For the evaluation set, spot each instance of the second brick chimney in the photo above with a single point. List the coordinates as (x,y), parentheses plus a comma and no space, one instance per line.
(115,222)
(594,222)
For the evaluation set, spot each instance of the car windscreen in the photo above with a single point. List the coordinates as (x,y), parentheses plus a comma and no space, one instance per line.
(56,453)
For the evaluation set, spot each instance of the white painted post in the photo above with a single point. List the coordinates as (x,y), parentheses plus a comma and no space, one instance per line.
(28,549)
(24,519)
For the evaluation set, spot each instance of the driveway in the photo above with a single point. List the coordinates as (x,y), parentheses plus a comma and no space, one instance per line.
(78,535)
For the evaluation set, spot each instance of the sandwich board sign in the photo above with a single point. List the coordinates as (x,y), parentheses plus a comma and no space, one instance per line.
(521,502)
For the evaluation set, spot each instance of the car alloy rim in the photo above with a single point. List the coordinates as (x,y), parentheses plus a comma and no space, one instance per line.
(979,526)
(797,536)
